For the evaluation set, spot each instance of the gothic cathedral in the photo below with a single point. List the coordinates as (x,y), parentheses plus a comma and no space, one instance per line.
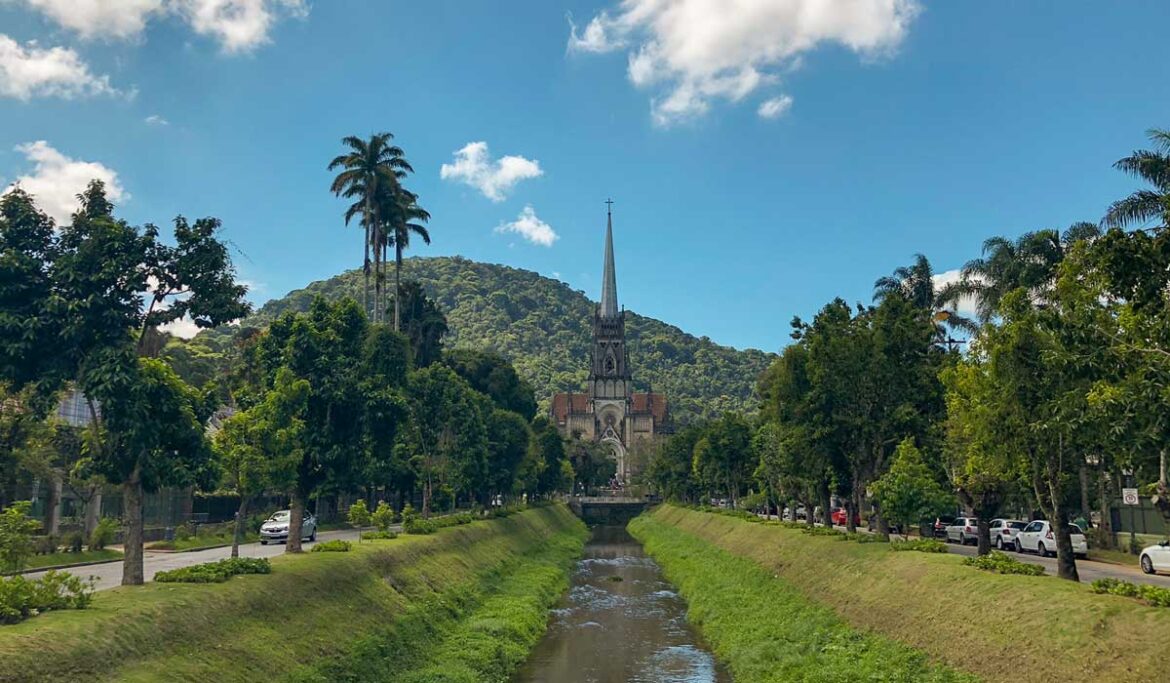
(609,411)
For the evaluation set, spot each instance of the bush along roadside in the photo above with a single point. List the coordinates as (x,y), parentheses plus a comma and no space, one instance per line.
(334,546)
(216,572)
(765,629)
(1001,563)
(21,598)
(1154,596)
(921,545)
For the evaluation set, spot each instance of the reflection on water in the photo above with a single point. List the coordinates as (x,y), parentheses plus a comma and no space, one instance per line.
(621,621)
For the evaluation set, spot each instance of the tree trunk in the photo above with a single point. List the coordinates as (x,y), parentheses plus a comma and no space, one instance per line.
(809,502)
(1066,563)
(241,520)
(132,574)
(53,505)
(850,511)
(426,502)
(983,525)
(1105,530)
(883,524)
(826,505)
(296,517)
(93,510)
(1086,507)
(397,285)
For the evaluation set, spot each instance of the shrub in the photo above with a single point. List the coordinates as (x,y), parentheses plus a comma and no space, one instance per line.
(334,546)
(1001,563)
(1155,596)
(16,536)
(380,534)
(45,545)
(103,534)
(74,541)
(822,531)
(21,598)
(419,526)
(865,538)
(408,513)
(215,572)
(383,516)
(183,532)
(921,545)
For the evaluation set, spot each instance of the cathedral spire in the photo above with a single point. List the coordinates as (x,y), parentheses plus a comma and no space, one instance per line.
(609,305)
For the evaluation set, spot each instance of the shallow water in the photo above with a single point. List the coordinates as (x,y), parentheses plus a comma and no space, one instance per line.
(621,621)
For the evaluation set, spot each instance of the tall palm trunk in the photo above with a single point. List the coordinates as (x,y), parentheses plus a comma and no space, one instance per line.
(397,283)
(366,261)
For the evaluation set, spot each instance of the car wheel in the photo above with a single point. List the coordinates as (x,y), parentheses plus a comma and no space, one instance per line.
(998,543)
(1041,550)
(1147,564)
(313,536)
(263,542)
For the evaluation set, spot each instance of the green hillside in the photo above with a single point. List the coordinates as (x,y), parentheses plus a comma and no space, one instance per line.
(543,327)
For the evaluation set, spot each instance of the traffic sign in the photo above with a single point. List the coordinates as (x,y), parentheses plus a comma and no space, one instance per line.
(1129,496)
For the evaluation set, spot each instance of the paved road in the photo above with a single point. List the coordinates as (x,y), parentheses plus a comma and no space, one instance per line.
(1088,570)
(109,574)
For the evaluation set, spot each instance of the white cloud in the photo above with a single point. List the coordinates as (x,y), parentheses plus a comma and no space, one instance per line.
(474,166)
(696,51)
(238,25)
(184,328)
(967,305)
(56,180)
(99,18)
(775,107)
(156,120)
(531,228)
(32,71)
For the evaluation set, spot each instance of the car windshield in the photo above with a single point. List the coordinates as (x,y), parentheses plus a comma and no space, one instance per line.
(1017,525)
(281,516)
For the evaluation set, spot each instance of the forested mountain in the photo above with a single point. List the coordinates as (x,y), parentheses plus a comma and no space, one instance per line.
(541,325)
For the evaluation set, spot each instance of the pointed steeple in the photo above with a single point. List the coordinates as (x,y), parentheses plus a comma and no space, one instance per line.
(609,305)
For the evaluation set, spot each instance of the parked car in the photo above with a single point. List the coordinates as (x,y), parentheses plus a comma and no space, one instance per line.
(940,525)
(1156,558)
(275,529)
(1039,537)
(1004,531)
(963,530)
(840,516)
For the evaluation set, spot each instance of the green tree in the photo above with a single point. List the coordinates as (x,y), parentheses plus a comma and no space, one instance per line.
(509,437)
(670,469)
(423,322)
(367,170)
(489,373)
(1153,167)
(916,284)
(448,435)
(16,532)
(908,492)
(259,448)
(358,516)
(722,457)
(383,516)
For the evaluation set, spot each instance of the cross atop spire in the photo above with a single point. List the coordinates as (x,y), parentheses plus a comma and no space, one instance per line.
(609,305)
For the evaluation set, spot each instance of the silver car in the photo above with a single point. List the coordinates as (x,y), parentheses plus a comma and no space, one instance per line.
(275,529)
(1004,531)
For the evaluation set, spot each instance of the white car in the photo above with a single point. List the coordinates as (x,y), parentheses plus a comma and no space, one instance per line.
(275,529)
(1039,537)
(963,530)
(1156,558)
(1004,532)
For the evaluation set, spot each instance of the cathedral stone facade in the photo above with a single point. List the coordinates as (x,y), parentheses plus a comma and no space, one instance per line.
(609,410)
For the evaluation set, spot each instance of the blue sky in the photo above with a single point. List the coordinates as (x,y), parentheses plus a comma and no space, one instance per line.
(760,164)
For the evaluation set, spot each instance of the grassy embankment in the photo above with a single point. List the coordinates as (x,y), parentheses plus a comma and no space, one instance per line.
(473,598)
(1001,628)
(202,541)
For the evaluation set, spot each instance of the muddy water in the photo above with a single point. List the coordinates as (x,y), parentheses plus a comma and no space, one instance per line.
(621,621)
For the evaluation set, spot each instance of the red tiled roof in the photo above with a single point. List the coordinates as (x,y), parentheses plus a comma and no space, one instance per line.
(560,405)
(654,404)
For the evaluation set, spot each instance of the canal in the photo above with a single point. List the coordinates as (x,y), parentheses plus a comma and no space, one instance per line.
(620,621)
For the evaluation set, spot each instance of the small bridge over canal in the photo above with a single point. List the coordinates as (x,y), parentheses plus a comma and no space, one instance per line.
(607,510)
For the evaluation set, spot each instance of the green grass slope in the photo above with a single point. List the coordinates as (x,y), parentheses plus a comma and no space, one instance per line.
(543,326)
(375,613)
(999,627)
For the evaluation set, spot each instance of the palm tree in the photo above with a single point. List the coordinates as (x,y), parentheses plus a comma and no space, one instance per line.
(1030,261)
(367,167)
(1154,168)
(915,282)
(403,216)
